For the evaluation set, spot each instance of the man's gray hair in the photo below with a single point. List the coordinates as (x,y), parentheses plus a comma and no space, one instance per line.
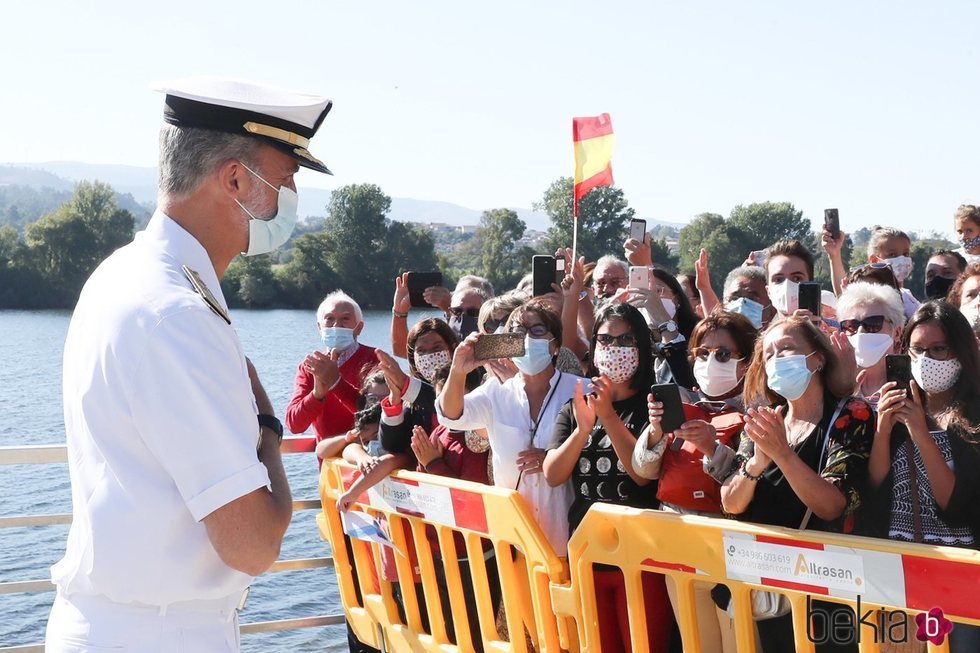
(881,234)
(189,154)
(610,260)
(334,298)
(862,293)
(743,272)
(473,281)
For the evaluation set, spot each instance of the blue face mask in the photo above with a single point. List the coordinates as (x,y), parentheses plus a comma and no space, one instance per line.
(537,356)
(337,337)
(266,235)
(788,376)
(750,309)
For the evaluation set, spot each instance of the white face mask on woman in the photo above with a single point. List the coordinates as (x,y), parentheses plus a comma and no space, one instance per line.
(870,347)
(936,376)
(716,379)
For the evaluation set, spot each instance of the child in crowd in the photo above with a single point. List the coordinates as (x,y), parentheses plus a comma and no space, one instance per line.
(966,223)
(893,247)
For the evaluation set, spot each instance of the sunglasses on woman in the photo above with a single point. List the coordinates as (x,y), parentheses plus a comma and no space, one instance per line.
(535,330)
(623,340)
(871,324)
(722,354)
(492,325)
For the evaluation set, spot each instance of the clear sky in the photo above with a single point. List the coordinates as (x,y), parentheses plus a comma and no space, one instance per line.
(866,106)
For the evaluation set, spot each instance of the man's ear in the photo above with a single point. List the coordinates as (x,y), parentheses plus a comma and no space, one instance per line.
(231,176)
(358,328)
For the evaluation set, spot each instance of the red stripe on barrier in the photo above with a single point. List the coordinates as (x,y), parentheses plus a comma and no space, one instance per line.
(411,513)
(406,481)
(800,587)
(348,476)
(469,510)
(768,539)
(949,585)
(675,566)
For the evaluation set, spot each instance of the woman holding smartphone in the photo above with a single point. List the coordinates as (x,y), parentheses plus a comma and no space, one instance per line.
(924,461)
(804,452)
(592,445)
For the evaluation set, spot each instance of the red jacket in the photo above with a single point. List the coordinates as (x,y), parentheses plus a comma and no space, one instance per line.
(335,414)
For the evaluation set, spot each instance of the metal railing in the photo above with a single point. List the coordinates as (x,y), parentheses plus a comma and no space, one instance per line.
(47,454)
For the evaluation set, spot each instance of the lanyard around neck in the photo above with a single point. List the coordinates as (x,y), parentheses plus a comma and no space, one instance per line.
(535,423)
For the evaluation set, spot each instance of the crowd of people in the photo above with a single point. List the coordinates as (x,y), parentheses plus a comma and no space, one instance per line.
(791,417)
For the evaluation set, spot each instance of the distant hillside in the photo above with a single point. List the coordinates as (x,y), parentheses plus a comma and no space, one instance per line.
(140,182)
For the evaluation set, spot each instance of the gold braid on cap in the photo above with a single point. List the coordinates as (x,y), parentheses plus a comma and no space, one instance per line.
(276,133)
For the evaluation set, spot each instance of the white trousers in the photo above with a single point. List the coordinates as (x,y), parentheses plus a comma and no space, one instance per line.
(90,624)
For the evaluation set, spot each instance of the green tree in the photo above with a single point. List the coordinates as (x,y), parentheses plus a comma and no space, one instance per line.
(692,236)
(764,223)
(661,255)
(10,245)
(65,246)
(604,216)
(307,277)
(500,229)
(250,282)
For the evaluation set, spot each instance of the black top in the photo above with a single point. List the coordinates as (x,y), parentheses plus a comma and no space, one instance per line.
(397,438)
(599,474)
(845,465)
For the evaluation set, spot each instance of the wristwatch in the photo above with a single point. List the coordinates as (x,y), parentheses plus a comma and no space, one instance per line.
(669,325)
(272,422)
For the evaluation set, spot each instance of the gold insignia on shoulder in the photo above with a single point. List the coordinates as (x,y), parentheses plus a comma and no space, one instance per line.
(205,292)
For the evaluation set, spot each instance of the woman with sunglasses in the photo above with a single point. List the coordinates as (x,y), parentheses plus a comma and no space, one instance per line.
(872,316)
(518,413)
(693,461)
(924,461)
(804,453)
(592,444)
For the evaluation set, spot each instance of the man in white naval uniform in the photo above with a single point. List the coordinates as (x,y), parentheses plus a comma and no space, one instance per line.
(178,490)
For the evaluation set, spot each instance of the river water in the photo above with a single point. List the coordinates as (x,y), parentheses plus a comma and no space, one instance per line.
(31,347)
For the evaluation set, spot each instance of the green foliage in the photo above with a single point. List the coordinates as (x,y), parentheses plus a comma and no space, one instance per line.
(604,216)
(250,282)
(662,256)
(65,246)
(503,262)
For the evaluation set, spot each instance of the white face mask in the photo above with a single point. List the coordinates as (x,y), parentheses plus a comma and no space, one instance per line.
(971,311)
(901,267)
(785,296)
(428,364)
(870,347)
(936,376)
(716,379)
(669,306)
(269,234)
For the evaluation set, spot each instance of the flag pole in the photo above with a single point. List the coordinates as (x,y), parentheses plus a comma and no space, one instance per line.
(574,236)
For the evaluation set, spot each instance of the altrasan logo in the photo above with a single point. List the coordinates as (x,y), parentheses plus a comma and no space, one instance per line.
(824,572)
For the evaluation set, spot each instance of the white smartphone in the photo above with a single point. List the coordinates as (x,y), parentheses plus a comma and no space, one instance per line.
(640,277)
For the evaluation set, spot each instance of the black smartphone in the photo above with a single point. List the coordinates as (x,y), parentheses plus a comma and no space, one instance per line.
(544,272)
(669,395)
(418,282)
(498,345)
(898,368)
(810,296)
(832,221)
(638,229)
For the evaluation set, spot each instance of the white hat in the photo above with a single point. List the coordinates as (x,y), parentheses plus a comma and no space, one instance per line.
(285,119)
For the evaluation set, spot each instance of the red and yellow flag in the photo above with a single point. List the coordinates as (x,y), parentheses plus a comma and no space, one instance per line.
(593,139)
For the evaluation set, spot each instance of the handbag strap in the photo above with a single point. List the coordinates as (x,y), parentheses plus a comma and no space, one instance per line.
(823,450)
(914,483)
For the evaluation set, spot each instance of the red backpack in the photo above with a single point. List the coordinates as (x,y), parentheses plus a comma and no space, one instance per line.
(683,482)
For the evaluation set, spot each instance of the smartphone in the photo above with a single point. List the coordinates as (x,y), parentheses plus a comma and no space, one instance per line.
(759,258)
(638,229)
(418,282)
(832,221)
(544,272)
(498,345)
(640,277)
(810,297)
(898,368)
(669,395)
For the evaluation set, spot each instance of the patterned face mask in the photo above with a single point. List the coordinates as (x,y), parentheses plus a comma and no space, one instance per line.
(427,364)
(936,376)
(618,363)
(970,243)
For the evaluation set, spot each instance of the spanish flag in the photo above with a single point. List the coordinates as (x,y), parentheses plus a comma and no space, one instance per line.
(593,139)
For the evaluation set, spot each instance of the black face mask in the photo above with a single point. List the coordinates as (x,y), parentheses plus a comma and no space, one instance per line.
(938,287)
(463,325)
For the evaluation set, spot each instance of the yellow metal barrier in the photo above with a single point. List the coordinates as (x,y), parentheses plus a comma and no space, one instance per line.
(881,578)
(887,575)
(526,563)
